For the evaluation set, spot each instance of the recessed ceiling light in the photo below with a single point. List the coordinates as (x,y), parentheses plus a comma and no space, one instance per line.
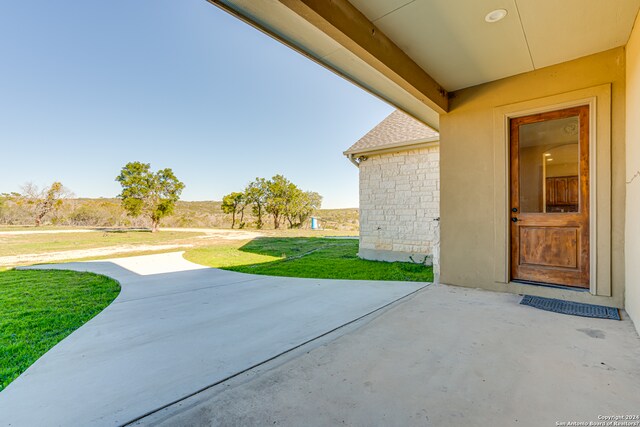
(547,154)
(496,15)
(549,159)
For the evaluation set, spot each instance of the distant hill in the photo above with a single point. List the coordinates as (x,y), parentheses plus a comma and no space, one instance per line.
(107,212)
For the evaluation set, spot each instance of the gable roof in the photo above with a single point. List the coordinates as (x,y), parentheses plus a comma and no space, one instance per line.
(397,130)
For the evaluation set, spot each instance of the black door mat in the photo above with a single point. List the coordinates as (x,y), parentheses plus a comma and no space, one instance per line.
(572,308)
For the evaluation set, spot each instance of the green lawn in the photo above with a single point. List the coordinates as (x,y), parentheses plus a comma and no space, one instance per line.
(306,257)
(42,243)
(40,308)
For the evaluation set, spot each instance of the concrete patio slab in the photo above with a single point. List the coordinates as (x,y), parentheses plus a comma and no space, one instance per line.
(446,356)
(177,328)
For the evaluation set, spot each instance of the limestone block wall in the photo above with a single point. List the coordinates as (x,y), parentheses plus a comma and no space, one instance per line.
(399,204)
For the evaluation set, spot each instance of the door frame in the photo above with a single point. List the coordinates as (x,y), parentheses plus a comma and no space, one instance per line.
(584,237)
(599,101)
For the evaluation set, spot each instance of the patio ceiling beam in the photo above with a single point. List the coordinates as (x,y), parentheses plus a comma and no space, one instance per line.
(345,24)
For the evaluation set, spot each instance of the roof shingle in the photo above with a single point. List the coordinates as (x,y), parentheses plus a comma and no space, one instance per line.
(398,127)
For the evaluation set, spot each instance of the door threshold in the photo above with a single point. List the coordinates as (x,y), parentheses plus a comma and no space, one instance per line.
(551,285)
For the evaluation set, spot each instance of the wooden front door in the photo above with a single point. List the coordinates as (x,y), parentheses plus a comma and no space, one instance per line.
(549,179)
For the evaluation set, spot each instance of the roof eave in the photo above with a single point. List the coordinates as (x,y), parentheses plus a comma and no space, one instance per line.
(326,33)
(394,147)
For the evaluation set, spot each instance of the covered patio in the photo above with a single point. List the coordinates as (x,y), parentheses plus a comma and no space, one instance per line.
(482,74)
(479,73)
(445,356)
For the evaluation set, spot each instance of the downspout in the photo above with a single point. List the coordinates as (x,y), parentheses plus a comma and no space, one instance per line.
(352,160)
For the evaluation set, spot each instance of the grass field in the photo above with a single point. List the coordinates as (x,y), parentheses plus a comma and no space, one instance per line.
(40,308)
(4,227)
(41,243)
(295,253)
(28,245)
(306,257)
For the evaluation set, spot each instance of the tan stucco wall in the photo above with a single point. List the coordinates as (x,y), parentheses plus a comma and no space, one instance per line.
(632,232)
(399,202)
(470,224)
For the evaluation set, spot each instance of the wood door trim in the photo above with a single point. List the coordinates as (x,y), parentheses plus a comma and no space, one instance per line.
(580,221)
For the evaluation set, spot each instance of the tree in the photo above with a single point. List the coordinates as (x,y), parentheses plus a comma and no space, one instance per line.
(41,202)
(147,193)
(8,203)
(256,195)
(279,193)
(234,203)
(301,206)
(4,199)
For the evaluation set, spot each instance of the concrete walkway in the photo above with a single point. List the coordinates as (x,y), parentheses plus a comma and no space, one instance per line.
(177,328)
(445,357)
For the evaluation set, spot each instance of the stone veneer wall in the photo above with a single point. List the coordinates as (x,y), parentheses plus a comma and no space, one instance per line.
(399,204)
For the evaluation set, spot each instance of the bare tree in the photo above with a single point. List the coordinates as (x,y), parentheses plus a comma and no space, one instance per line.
(41,202)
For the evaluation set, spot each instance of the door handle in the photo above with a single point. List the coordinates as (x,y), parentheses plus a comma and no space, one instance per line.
(514,219)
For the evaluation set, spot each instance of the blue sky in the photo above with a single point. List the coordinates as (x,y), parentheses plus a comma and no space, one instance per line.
(88,85)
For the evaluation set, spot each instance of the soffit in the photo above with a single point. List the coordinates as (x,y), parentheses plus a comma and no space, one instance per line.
(451,41)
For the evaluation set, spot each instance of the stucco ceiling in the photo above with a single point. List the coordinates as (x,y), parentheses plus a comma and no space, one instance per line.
(452,42)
